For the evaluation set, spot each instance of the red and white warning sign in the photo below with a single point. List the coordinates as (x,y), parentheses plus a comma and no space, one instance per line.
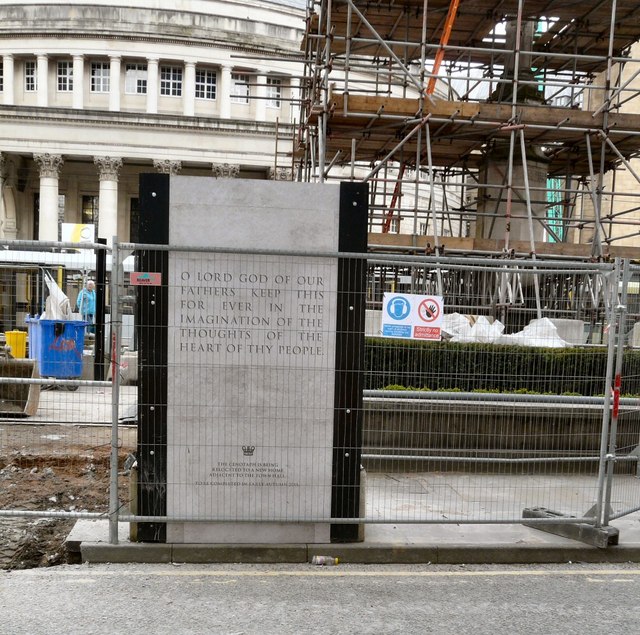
(430,310)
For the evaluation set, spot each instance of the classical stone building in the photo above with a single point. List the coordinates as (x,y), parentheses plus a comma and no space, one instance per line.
(91,95)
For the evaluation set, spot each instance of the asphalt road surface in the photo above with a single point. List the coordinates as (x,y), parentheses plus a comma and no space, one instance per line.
(296,599)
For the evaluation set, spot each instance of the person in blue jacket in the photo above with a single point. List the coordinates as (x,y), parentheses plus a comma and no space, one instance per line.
(86,302)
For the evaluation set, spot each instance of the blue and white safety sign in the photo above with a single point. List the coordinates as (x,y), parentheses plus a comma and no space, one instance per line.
(411,316)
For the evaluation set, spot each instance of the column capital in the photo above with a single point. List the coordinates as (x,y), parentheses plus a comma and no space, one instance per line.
(49,164)
(225,170)
(115,56)
(108,167)
(280,174)
(167,166)
(7,56)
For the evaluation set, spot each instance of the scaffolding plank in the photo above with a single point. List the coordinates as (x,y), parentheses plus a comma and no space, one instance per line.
(390,241)
(461,131)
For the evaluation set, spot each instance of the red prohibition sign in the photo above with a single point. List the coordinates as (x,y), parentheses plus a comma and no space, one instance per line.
(429,310)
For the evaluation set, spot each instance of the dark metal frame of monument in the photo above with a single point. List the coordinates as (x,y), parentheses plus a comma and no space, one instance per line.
(151,326)
(152,334)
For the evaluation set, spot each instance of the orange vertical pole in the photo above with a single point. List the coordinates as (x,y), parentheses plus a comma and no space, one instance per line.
(444,40)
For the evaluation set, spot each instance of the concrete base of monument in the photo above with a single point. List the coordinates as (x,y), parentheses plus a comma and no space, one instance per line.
(243,533)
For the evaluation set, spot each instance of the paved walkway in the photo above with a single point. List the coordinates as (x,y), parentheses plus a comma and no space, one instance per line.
(404,542)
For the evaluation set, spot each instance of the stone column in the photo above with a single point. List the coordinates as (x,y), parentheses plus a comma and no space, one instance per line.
(152,85)
(8,218)
(7,67)
(114,83)
(8,221)
(78,82)
(189,94)
(49,166)
(225,92)
(167,166)
(261,97)
(225,170)
(294,95)
(42,75)
(108,168)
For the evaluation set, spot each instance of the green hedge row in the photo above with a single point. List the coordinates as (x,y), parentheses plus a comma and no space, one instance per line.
(468,367)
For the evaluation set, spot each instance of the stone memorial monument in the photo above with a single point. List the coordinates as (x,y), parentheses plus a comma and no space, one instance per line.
(250,360)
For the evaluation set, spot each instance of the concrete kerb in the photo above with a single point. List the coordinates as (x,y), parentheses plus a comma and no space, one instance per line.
(351,554)
(88,539)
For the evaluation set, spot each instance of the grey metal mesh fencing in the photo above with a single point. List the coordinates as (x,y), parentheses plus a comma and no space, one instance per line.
(623,493)
(55,396)
(505,411)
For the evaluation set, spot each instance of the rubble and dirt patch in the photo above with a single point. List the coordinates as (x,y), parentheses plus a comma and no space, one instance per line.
(49,478)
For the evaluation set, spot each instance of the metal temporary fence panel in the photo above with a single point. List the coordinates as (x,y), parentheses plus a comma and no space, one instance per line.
(56,409)
(248,393)
(623,451)
(506,412)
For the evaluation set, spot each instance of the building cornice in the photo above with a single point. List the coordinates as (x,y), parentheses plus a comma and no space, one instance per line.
(291,52)
(105,118)
(183,28)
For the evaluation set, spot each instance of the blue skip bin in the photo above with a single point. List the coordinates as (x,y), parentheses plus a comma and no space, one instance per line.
(57,345)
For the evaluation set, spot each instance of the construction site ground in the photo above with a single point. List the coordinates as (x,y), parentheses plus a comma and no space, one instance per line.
(52,467)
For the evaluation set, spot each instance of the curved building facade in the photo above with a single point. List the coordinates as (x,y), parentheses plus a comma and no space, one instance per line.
(93,95)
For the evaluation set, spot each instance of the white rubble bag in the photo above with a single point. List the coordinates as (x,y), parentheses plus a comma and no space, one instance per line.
(57,305)
(481,331)
(541,332)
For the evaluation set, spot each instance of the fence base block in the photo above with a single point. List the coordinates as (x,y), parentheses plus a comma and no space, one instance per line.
(601,537)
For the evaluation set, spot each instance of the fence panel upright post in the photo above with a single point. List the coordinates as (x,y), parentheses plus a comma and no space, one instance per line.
(619,314)
(116,335)
(614,278)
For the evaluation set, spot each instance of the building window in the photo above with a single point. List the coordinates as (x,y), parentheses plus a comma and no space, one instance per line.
(30,77)
(65,76)
(205,84)
(89,210)
(274,92)
(171,81)
(239,88)
(135,79)
(100,77)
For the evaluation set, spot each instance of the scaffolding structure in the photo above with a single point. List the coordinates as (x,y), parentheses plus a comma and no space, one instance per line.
(526,147)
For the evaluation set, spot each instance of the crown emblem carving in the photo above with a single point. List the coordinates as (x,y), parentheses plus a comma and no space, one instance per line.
(248,450)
